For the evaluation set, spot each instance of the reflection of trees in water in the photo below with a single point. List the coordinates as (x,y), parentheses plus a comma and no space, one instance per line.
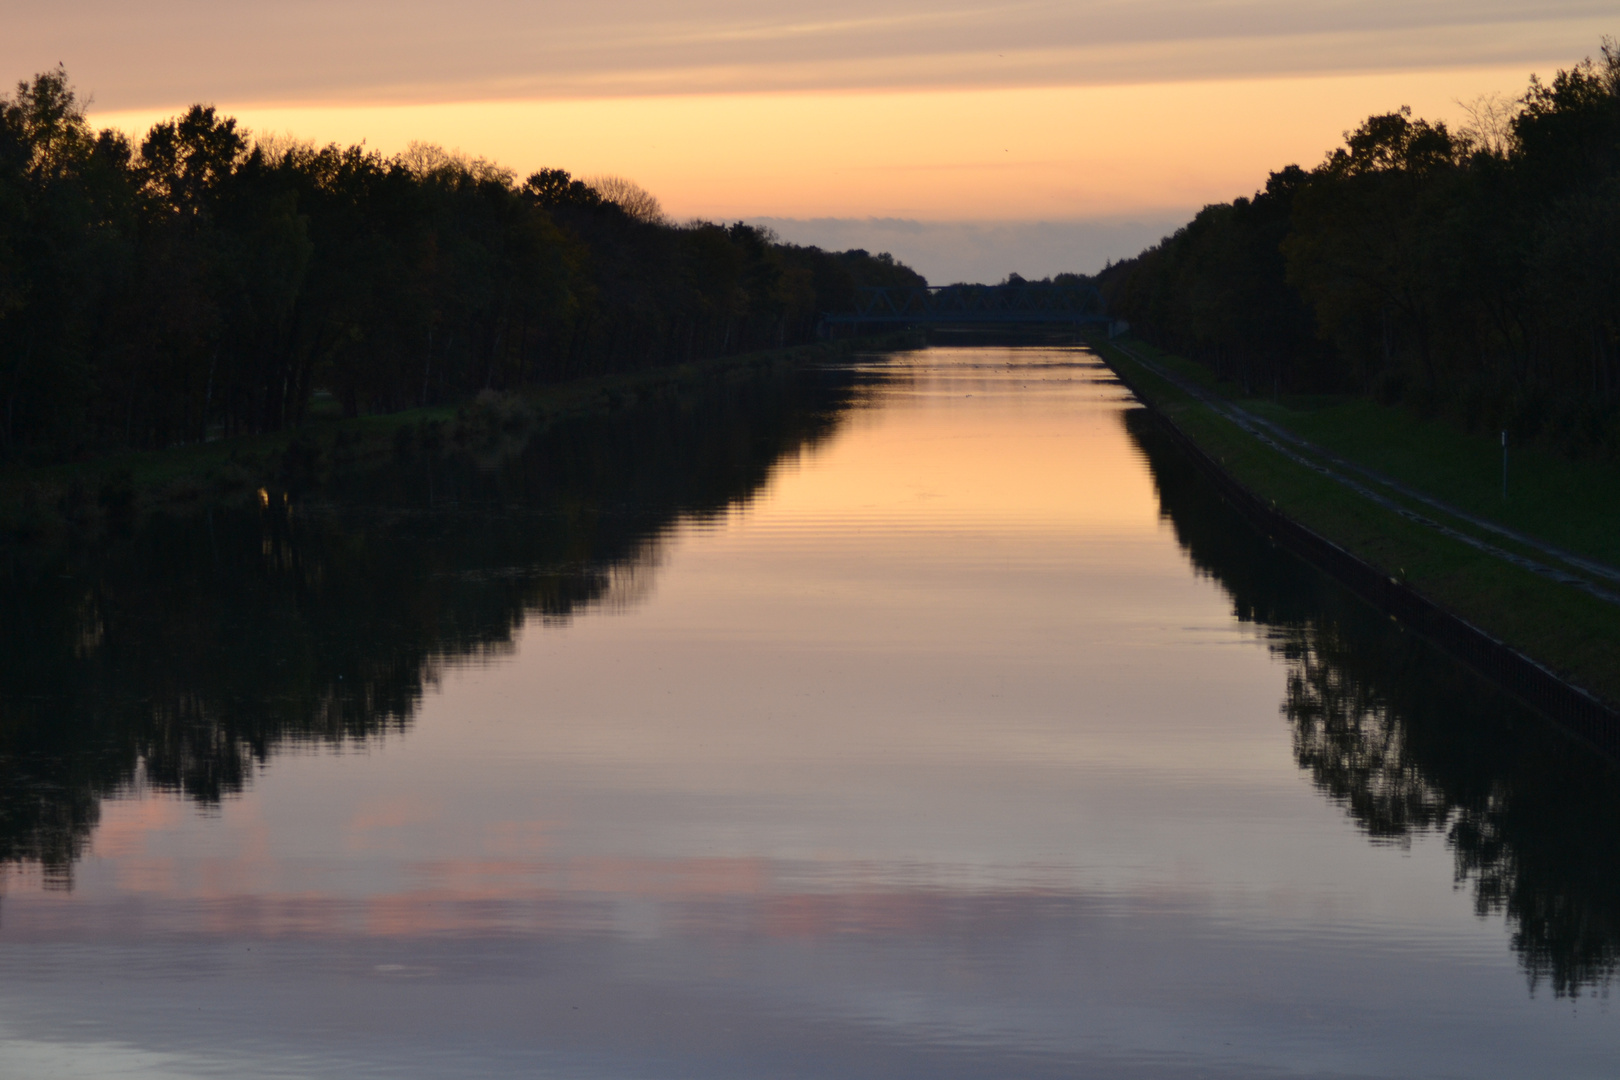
(181,656)
(1410,741)
(1351,741)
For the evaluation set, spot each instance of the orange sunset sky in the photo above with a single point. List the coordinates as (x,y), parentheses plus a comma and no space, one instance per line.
(969,138)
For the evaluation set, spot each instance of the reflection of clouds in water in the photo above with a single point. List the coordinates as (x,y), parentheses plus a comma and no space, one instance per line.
(646,850)
(885,985)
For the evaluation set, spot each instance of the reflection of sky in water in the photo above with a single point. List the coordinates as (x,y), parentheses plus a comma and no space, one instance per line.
(936,759)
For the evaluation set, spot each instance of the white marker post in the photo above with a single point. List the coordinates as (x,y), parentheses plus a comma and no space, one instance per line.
(1504,464)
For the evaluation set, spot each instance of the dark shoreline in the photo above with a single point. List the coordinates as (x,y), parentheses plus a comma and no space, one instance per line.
(85,498)
(1576,710)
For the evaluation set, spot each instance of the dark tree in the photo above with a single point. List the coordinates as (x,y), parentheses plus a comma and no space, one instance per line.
(203,284)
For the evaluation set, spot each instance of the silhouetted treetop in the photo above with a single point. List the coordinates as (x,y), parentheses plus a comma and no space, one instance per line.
(1474,271)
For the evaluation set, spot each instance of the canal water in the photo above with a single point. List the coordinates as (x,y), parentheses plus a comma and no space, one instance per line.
(924,715)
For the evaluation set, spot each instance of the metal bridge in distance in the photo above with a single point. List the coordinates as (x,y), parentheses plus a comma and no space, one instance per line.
(1019,303)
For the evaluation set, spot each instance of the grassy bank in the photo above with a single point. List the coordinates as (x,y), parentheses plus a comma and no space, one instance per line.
(86,496)
(1575,505)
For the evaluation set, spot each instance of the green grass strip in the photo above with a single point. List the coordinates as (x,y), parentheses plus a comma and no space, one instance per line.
(1569,631)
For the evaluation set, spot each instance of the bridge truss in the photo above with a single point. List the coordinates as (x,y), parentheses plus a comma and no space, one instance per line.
(965,305)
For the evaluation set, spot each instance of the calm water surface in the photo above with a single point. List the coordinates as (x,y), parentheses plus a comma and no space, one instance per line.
(922,717)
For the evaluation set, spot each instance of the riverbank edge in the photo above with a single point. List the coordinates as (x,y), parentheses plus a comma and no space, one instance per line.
(82,499)
(1571,706)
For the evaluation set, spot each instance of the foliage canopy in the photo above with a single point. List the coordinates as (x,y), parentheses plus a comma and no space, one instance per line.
(1475,271)
(204,283)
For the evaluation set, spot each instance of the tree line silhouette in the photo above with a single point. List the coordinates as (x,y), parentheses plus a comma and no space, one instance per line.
(202,283)
(1472,271)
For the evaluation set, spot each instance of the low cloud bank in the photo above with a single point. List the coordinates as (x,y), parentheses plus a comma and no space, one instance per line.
(951,251)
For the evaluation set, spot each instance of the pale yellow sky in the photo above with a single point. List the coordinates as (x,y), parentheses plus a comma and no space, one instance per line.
(983,153)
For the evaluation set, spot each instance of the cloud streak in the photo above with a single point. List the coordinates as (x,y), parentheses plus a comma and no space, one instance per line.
(173,51)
